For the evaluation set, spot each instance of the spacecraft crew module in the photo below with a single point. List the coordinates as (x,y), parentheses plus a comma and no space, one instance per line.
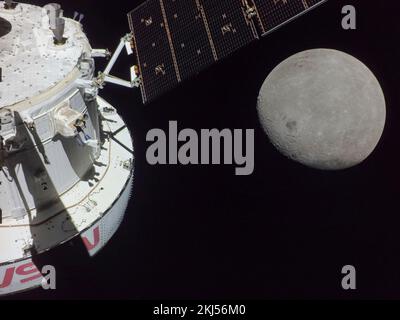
(66,156)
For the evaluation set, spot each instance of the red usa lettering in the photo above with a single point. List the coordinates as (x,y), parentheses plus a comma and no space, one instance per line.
(92,244)
(23,274)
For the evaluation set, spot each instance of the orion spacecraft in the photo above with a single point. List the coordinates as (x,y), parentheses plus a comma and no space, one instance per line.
(66,156)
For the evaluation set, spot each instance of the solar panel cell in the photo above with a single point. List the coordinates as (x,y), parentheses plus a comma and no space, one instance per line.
(158,72)
(273,13)
(192,46)
(228,25)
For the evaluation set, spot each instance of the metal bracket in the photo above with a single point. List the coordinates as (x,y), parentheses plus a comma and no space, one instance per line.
(105,76)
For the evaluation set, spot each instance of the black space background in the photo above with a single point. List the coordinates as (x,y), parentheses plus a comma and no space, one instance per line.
(284,232)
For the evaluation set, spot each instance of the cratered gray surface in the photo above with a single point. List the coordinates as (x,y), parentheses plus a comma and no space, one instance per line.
(323,108)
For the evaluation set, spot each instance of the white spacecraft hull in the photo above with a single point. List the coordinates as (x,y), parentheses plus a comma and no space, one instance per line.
(66,156)
(24,275)
(94,218)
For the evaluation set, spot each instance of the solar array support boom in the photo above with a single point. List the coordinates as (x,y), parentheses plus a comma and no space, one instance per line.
(105,76)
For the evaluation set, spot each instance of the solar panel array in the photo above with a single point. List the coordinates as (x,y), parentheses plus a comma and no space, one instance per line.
(176,39)
(273,13)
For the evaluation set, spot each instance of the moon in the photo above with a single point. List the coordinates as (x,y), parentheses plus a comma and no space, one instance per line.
(323,108)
